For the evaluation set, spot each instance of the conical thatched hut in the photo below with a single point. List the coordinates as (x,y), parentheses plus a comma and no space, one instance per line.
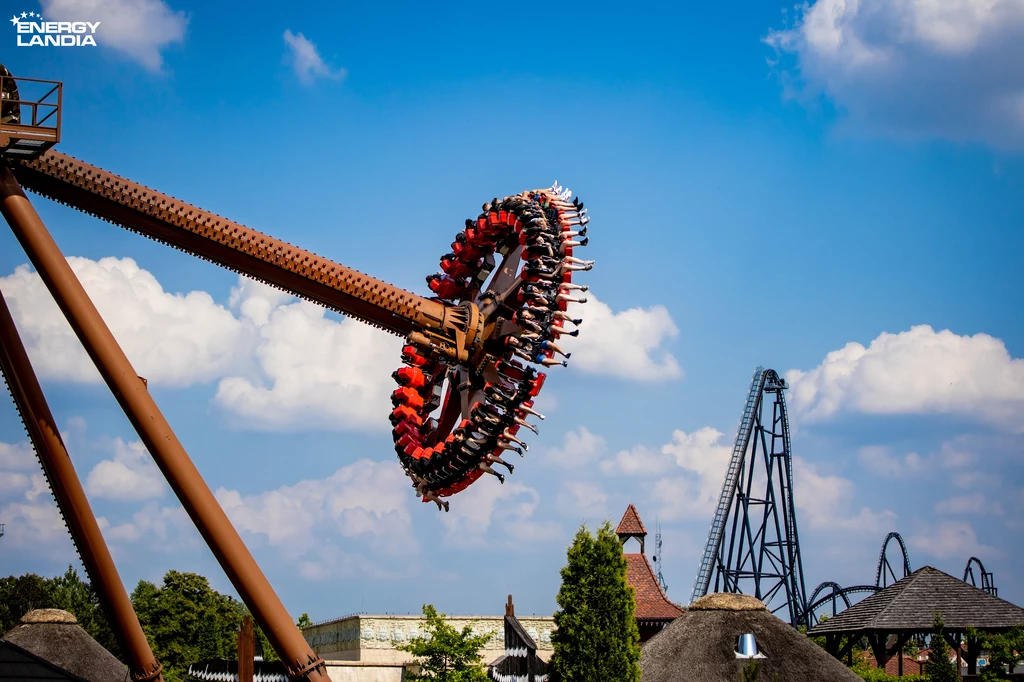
(702,645)
(54,636)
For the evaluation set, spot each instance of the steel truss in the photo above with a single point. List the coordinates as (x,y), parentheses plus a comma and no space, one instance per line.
(760,555)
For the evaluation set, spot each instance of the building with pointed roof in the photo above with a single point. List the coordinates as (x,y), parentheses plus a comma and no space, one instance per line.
(890,617)
(653,609)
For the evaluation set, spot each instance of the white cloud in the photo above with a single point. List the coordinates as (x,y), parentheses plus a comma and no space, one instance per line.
(579,448)
(161,528)
(488,513)
(881,460)
(334,375)
(824,501)
(951,540)
(918,371)
(582,499)
(626,345)
(17,457)
(365,500)
(138,28)
(969,504)
(171,339)
(130,475)
(953,69)
(306,59)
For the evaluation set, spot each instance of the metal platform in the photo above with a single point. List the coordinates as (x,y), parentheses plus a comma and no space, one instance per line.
(30,116)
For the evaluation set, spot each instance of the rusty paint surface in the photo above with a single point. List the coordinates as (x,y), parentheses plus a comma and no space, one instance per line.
(209,236)
(71,500)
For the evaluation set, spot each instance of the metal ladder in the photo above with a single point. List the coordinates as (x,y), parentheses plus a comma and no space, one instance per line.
(703,580)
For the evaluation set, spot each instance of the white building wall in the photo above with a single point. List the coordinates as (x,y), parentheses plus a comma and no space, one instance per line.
(373,638)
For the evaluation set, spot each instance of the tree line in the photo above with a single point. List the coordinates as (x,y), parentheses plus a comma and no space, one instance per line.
(185,620)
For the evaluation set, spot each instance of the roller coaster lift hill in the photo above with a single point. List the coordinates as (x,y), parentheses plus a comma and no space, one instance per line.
(469,368)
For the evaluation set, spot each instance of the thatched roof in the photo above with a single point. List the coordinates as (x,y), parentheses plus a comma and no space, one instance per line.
(18,665)
(701,645)
(909,605)
(54,636)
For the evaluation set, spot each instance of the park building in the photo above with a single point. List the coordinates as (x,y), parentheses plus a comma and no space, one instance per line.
(373,639)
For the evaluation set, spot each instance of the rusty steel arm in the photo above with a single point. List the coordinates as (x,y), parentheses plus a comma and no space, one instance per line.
(236,247)
(156,434)
(71,500)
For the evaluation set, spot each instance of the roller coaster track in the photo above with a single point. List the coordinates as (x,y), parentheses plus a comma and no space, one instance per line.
(884,572)
(763,546)
(987,583)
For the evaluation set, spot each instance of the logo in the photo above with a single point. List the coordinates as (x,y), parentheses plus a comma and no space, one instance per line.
(33,31)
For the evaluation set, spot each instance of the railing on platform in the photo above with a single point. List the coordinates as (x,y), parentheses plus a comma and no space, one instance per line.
(30,115)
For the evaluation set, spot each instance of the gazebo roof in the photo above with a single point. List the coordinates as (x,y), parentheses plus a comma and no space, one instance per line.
(909,605)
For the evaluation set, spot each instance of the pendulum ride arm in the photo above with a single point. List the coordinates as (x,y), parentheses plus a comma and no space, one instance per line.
(156,434)
(236,247)
(71,500)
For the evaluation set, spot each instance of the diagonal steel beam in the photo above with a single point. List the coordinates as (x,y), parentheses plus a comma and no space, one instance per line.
(71,500)
(157,435)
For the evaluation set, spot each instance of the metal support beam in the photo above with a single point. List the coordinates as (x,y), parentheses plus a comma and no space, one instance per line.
(71,500)
(157,435)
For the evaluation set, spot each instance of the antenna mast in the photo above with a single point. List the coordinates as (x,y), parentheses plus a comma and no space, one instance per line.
(657,556)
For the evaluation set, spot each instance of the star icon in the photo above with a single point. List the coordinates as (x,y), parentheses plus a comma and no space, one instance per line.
(23,15)
(16,19)
(31,14)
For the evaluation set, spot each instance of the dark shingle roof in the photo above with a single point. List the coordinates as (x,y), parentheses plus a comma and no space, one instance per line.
(909,605)
(631,523)
(651,602)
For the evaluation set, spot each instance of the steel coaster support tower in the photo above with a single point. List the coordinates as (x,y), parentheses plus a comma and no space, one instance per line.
(753,545)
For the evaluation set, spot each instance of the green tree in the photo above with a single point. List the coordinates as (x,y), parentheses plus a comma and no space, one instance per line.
(939,668)
(446,654)
(596,636)
(304,621)
(1004,653)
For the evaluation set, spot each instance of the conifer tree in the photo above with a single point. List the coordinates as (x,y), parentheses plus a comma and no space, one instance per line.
(596,636)
(939,668)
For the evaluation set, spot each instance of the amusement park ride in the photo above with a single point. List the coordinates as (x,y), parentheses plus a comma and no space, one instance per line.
(465,389)
(753,545)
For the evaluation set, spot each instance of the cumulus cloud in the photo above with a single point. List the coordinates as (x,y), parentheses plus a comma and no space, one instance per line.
(969,504)
(582,499)
(919,371)
(365,500)
(693,492)
(951,69)
(17,457)
(306,60)
(171,339)
(314,370)
(825,501)
(130,475)
(951,540)
(140,29)
(166,529)
(626,344)
(579,448)
(489,513)
(880,459)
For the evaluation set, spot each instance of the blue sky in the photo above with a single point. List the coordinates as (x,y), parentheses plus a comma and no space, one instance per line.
(838,200)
